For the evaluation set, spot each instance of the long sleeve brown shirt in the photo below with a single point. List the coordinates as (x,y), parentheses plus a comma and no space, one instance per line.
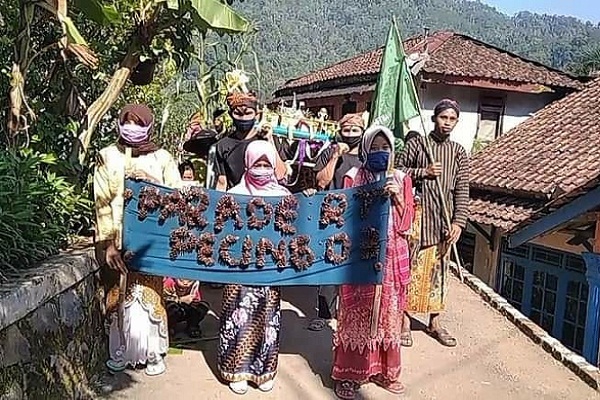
(454,181)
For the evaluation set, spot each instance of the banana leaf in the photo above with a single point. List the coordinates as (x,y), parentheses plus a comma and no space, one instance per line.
(219,16)
(99,12)
(72,32)
(213,14)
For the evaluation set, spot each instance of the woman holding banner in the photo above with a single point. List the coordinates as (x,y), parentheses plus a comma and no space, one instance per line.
(251,316)
(135,308)
(365,351)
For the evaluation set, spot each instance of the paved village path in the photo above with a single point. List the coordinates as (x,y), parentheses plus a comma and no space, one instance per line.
(493,360)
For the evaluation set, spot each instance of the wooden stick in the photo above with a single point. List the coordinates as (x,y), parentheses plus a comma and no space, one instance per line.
(378,288)
(429,152)
(447,219)
(122,276)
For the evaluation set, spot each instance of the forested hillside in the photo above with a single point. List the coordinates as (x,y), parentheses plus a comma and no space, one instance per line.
(297,36)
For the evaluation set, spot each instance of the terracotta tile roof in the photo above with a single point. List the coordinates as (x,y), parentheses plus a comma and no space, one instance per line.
(362,65)
(548,160)
(560,201)
(501,211)
(451,54)
(556,150)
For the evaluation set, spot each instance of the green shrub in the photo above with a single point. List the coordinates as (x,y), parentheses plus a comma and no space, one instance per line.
(38,210)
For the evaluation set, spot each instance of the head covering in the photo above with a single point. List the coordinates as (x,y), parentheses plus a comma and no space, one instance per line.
(218,112)
(195,126)
(411,135)
(144,117)
(140,112)
(369,136)
(187,164)
(446,104)
(256,150)
(352,120)
(238,99)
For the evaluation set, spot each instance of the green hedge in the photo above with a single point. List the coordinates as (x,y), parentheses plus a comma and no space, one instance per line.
(37,210)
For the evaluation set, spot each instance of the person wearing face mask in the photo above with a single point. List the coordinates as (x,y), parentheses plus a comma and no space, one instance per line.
(331,166)
(138,331)
(360,357)
(251,317)
(230,150)
(428,289)
(337,160)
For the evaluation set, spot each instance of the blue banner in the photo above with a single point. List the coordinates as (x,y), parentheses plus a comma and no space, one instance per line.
(332,238)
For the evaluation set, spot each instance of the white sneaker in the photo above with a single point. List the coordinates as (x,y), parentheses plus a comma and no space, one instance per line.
(240,387)
(156,368)
(267,386)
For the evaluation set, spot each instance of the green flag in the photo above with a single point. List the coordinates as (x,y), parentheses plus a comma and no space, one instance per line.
(395,100)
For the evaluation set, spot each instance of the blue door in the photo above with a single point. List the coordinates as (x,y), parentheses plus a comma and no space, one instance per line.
(549,287)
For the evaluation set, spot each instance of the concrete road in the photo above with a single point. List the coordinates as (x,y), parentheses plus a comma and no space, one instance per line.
(493,360)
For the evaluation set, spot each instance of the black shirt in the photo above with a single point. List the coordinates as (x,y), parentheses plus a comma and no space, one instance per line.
(344,164)
(230,154)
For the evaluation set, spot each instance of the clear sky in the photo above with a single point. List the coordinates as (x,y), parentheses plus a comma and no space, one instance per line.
(588,10)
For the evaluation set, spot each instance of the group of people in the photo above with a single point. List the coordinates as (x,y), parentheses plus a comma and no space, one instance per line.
(250,161)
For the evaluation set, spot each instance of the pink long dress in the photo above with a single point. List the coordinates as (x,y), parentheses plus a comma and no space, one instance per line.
(357,356)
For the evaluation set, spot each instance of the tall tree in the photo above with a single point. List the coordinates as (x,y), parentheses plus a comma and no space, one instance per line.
(587,62)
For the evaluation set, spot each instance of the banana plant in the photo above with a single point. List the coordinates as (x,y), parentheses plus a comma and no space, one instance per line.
(71,43)
(159,21)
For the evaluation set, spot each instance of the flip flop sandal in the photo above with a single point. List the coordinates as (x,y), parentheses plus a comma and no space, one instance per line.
(406,339)
(316,325)
(394,387)
(443,336)
(345,390)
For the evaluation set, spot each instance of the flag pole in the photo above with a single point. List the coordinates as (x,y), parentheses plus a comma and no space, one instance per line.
(429,152)
(379,287)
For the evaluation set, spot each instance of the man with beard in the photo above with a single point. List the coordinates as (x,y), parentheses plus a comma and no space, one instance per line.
(427,291)
(231,149)
(331,166)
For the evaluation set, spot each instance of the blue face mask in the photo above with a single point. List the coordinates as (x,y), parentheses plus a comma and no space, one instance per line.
(377,161)
(243,125)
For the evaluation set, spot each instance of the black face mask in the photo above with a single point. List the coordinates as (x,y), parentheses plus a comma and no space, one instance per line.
(351,141)
(243,125)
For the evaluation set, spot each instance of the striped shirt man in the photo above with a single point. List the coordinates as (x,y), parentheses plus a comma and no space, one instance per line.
(454,180)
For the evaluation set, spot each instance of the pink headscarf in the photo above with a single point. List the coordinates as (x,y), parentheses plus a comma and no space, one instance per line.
(256,150)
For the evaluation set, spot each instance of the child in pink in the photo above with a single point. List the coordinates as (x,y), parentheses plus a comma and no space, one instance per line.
(184,304)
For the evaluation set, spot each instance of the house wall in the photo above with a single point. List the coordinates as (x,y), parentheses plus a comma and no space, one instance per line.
(558,241)
(485,263)
(518,107)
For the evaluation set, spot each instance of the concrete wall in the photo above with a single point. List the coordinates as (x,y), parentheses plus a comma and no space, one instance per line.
(52,340)
(518,107)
